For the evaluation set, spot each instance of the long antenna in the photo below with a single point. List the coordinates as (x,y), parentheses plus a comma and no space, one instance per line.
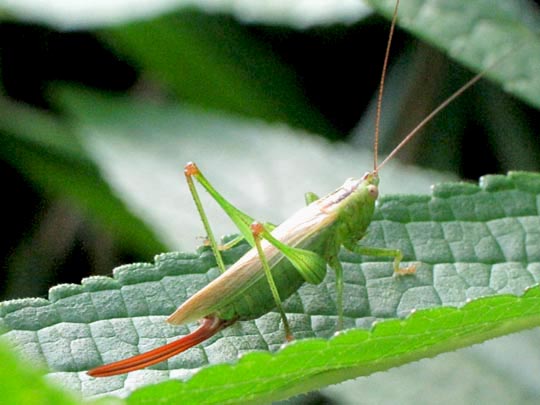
(381,89)
(445,103)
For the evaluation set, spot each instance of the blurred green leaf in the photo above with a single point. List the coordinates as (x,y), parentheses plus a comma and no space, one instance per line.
(479,33)
(215,63)
(47,153)
(70,14)
(38,128)
(141,147)
(23,384)
(485,129)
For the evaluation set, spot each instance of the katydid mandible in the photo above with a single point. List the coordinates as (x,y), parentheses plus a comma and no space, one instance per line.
(282,258)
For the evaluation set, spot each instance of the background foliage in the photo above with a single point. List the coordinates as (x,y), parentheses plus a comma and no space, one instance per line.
(79,167)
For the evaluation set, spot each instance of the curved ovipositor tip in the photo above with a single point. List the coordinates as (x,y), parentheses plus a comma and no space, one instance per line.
(208,328)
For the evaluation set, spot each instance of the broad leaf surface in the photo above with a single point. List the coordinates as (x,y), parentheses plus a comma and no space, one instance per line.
(263,169)
(479,33)
(470,242)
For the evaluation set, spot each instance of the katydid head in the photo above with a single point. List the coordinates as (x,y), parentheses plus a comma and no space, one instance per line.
(363,191)
(371,183)
(368,184)
(353,204)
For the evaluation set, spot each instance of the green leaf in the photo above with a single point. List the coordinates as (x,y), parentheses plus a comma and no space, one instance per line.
(478,33)
(51,156)
(141,147)
(477,249)
(70,14)
(215,63)
(23,384)
(39,128)
(499,371)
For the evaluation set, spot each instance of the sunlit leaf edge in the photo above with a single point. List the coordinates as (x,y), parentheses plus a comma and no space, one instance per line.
(514,314)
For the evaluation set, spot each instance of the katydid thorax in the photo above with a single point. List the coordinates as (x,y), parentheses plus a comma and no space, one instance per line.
(283,257)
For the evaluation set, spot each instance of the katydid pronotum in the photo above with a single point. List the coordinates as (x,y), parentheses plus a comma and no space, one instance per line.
(282,258)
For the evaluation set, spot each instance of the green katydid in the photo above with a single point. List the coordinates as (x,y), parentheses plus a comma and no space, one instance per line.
(282,258)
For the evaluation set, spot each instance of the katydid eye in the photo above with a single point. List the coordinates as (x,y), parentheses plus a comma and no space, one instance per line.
(373,190)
